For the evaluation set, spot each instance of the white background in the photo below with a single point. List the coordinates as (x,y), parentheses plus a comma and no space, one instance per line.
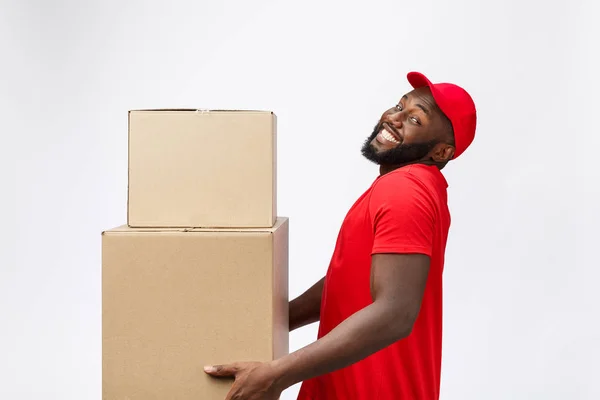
(521,305)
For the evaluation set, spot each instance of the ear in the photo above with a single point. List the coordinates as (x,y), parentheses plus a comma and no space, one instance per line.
(442,152)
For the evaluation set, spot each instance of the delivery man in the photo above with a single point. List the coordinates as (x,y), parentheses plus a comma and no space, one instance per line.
(380,303)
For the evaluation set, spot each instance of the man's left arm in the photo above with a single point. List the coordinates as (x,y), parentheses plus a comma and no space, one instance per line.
(403,226)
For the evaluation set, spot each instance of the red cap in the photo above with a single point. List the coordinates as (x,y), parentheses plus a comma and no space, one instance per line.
(458,106)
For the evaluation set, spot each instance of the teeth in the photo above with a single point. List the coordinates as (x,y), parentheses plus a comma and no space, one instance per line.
(388,136)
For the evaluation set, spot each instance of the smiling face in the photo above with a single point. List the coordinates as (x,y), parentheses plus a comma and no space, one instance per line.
(415,130)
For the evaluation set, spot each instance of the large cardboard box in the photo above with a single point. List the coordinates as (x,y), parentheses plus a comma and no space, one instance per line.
(174,300)
(194,168)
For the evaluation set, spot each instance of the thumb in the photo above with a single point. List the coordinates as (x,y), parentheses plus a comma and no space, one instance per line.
(221,370)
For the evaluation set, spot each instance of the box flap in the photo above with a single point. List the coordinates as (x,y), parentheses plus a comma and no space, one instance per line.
(199,110)
(126,229)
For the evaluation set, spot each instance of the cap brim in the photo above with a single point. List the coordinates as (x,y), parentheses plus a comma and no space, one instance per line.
(417,80)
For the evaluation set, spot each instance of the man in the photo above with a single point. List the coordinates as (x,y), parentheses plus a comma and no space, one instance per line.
(380,304)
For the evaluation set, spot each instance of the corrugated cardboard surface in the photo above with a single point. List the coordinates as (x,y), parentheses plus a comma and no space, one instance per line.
(176,300)
(191,168)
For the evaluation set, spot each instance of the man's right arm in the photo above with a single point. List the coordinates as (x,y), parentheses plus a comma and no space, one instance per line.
(306,308)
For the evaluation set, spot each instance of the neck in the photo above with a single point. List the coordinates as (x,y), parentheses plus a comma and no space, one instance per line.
(384,169)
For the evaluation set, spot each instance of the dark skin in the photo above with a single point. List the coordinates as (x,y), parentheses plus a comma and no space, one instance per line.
(306,308)
(417,119)
(397,280)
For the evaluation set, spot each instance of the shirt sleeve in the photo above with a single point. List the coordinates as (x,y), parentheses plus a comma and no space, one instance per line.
(402,215)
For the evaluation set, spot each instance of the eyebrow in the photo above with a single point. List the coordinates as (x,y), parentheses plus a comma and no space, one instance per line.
(421,106)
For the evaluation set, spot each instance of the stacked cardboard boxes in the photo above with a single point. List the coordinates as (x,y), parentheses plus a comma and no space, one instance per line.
(199,274)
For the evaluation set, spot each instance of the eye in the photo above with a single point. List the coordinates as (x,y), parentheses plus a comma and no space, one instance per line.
(415,120)
(398,107)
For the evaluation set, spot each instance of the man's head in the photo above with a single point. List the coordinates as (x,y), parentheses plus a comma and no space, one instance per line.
(432,124)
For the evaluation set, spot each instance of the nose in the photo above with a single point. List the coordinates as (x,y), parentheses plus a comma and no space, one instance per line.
(395,118)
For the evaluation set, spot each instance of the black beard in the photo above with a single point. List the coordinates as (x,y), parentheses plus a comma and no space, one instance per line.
(402,154)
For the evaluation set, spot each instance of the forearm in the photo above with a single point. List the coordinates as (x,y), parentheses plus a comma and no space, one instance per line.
(359,336)
(305,309)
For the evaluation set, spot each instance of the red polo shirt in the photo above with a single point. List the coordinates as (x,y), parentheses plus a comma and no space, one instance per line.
(404,211)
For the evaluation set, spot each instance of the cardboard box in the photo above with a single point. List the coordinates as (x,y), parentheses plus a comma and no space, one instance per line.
(191,168)
(174,300)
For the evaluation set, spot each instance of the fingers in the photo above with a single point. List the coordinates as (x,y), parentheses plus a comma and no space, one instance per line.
(221,370)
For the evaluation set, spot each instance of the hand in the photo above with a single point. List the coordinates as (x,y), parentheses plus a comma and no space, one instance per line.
(253,380)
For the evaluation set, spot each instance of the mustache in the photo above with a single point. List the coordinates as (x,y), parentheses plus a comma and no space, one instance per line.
(380,124)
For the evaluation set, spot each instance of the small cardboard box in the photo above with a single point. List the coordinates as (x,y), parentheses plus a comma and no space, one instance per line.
(196,168)
(174,300)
